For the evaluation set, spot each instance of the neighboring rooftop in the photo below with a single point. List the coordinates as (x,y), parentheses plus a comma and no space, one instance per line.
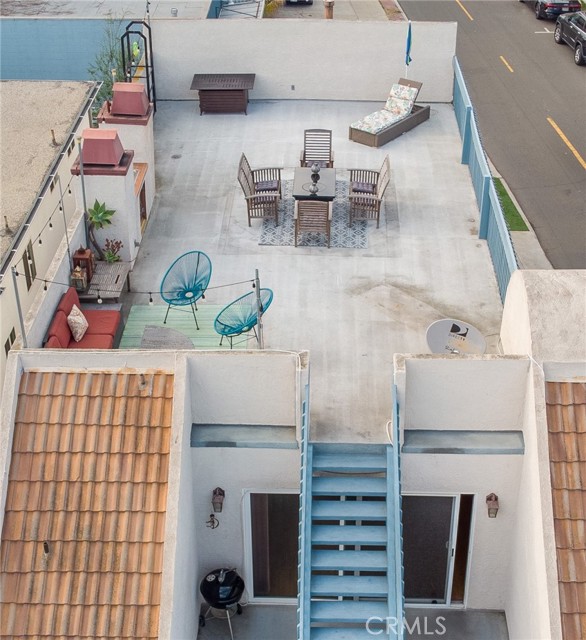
(36,118)
(84,526)
(566,419)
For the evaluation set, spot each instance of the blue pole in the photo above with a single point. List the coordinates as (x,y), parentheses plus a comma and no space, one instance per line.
(408,48)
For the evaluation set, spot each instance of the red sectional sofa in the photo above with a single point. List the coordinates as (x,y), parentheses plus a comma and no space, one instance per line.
(101,333)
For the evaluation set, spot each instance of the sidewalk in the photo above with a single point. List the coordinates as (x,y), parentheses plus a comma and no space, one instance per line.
(366,10)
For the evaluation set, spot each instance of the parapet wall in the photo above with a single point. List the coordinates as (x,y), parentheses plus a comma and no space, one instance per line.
(305,59)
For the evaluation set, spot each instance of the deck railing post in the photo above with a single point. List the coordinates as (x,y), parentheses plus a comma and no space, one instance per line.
(259,310)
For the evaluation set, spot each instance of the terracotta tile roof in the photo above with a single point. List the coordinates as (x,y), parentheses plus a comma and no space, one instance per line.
(566,419)
(82,541)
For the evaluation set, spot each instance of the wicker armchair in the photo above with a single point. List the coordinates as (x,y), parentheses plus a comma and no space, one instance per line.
(317,147)
(313,216)
(367,189)
(262,190)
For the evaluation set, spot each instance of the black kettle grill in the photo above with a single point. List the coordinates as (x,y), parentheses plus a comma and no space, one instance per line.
(222,589)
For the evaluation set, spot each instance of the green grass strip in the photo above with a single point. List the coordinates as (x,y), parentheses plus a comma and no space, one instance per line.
(513,218)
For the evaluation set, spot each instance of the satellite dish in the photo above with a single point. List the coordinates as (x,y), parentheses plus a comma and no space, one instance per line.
(454,336)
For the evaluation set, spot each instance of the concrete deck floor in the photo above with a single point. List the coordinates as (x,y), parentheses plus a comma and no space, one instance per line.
(351,308)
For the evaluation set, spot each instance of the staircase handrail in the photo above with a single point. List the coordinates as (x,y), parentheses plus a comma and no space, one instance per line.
(304,536)
(395,488)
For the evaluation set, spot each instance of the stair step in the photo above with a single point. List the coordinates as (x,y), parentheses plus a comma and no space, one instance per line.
(325,559)
(348,633)
(349,447)
(349,534)
(345,611)
(350,462)
(348,510)
(365,586)
(348,486)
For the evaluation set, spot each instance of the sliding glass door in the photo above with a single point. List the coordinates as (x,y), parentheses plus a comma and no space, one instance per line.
(273,537)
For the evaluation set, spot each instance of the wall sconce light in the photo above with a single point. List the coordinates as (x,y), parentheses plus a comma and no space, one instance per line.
(218,495)
(492,503)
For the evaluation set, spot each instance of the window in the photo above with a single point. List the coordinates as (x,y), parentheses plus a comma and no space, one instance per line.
(11,340)
(30,269)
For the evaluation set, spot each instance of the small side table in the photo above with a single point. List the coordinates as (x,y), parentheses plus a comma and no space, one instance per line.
(223,92)
(108,281)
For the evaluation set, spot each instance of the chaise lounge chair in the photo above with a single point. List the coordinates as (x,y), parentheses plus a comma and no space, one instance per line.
(400,114)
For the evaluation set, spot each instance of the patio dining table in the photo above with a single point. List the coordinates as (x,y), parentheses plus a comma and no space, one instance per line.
(326,184)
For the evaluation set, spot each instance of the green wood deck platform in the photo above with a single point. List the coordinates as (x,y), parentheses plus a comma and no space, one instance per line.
(142,316)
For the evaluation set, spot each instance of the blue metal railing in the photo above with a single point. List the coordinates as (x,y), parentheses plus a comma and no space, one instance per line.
(399,590)
(493,227)
(304,534)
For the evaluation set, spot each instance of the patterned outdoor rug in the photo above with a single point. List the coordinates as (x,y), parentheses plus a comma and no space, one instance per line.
(343,236)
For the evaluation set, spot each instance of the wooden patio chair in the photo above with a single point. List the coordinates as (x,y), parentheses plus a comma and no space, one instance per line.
(262,190)
(317,147)
(313,216)
(367,189)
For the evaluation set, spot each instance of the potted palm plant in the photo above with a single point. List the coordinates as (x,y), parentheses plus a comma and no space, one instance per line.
(99,216)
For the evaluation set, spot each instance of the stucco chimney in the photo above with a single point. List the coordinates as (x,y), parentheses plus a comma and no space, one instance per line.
(129,99)
(101,146)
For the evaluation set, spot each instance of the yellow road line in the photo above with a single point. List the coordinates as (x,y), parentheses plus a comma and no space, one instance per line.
(464,9)
(507,64)
(570,146)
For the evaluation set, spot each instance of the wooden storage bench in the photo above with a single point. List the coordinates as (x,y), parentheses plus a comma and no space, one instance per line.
(223,92)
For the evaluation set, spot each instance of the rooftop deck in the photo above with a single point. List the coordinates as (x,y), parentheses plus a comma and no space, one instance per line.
(352,308)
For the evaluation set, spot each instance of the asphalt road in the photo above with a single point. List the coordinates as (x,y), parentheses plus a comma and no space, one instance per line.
(518,77)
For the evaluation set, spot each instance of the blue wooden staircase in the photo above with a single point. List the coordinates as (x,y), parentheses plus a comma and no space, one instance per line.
(350,549)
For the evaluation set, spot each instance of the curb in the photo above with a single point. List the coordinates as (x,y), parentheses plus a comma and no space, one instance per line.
(529,253)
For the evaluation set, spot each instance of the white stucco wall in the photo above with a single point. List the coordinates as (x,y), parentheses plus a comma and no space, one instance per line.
(483,392)
(53,245)
(178,614)
(204,379)
(508,563)
(532,604)
(13,373)
(140,138)
(364,58)
(236,471)
(544,315)
(42,308)
(118,194)
(245,388)
(490,537)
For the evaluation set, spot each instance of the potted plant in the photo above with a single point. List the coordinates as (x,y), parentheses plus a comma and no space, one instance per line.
(99,216)
(111,250)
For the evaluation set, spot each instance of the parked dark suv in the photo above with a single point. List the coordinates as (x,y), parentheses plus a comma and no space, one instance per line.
(554,8)
(571,29)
